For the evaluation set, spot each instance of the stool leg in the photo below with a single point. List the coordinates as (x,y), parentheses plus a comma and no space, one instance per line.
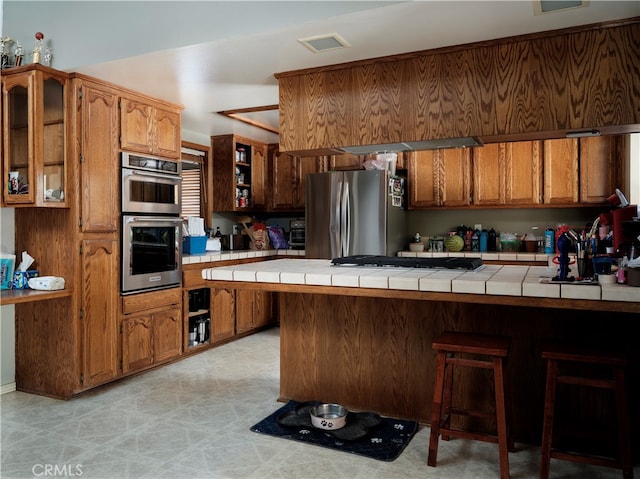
(436,409)
(447,395)
(624,435)
(501,418)
(547,425)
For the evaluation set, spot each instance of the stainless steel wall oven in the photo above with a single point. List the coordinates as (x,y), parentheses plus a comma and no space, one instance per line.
(151,229)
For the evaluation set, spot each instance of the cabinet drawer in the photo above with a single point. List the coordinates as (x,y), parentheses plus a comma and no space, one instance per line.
(152,300)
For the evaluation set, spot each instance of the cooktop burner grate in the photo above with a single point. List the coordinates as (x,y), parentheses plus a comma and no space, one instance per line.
(409,262)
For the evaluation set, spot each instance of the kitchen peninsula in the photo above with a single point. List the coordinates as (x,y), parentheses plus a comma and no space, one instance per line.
(361,336)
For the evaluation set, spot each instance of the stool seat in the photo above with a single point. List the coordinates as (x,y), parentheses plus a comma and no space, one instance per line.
(474,351)
(559,358)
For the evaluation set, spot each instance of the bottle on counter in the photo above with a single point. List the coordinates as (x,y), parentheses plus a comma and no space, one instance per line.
(491,240)
(218,234)
(475,240)
(484,240)
(549,241)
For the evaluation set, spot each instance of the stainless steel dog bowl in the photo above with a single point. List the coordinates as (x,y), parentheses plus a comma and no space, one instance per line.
(328,416)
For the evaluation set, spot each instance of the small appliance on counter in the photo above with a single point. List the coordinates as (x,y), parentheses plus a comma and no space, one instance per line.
(297,234)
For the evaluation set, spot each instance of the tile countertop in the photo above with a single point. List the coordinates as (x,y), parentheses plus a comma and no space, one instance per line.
(501,280)
(211,256)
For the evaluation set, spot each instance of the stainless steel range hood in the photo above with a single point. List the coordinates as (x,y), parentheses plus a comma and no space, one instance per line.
(413,145)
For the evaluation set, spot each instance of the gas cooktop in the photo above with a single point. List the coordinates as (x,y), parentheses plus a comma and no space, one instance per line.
(409,262)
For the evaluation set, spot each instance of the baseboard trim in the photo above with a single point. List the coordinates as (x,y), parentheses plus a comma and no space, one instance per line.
(7,388)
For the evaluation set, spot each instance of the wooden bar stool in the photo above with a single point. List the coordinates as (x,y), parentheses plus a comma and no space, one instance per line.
(475,351)
(560,359)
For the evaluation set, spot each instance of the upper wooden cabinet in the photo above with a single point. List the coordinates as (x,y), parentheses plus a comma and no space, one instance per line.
(96,127)
(565,172)
(488,90)
(439,178)
(600,167)
(561,177)
(286,174)
(35,123)
(239,173)
(152,128)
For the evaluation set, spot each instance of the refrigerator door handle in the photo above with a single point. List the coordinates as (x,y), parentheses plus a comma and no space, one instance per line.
(335,232)
(345,226)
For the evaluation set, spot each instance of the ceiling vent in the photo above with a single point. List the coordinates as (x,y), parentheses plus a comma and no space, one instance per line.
(324,43)
(541,7)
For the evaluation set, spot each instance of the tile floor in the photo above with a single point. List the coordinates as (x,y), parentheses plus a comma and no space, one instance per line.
(191,419)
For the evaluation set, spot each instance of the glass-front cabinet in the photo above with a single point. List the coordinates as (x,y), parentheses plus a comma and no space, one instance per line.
(34,138)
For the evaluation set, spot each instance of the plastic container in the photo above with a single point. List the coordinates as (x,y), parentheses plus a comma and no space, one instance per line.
(194,244)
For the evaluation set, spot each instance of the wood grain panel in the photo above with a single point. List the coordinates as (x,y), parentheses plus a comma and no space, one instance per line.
(374,354)
(523,175)
(529,87)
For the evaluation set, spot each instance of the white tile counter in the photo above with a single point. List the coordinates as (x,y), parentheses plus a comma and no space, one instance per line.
(500,280)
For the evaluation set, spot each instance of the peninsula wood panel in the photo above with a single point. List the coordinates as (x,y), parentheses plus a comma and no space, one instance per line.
(530,87)
(375,354)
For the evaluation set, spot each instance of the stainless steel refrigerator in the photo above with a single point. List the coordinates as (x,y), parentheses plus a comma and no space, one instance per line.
(354,213)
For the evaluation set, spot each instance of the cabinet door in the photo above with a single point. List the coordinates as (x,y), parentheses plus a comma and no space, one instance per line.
(222,313)
(599,168)
(303,167)
(560,171)
(283,180)
(258,177)
(254,309)
(454,177)
(34,140)
(345,162)
(489,175)
(166,134)
(263,309)
(99,310)
(167,335)
(136,124)
(422,169)
(137,342)
(523,182)
(245,319)
(99,169)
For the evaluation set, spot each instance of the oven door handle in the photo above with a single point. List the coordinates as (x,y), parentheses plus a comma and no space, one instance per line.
(148,219)
(142,174)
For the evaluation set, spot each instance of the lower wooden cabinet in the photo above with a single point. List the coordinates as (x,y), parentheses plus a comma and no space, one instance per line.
(254,309)
(223,316)
(99,260)
(151,329)
(150,339)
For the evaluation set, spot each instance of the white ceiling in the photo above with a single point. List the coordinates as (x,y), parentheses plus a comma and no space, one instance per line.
(211,55)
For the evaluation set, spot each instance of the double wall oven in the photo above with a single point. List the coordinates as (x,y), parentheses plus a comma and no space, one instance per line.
(151,190)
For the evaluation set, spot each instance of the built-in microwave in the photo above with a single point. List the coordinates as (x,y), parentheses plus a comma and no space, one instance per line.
(151,253)
(150,185)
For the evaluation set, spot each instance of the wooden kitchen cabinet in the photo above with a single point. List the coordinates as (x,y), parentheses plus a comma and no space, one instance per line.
(507,174)
(523,173)
(600,167)
(254,310)
(35,136)
(151,329)
(345,162)
(439,178)
(489,175)
(99,307)
(223,314)
(150,127)
(238,184)
(286,178)
(561,177)
(96,123)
